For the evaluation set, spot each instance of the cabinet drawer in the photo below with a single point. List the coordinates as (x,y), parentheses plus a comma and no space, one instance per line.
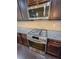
(55,43)
(54,47)
(53,50)
(22,39)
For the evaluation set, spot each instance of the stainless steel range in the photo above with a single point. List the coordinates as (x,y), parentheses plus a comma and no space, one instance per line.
(37,40)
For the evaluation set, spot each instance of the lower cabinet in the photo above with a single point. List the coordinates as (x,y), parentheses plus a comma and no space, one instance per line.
(22,39)
(19,40)
(54,47)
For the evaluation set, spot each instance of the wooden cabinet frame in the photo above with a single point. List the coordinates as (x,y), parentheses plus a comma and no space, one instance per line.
(54,47)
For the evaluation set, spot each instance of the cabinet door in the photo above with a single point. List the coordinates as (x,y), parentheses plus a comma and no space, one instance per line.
(32,2)
(24,39)
(23,7)
(54,47)
(19,40)
(35,2)
(19,16)
(55,10)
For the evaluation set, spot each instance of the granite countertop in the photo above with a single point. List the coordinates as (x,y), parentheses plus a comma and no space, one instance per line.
(54,35)
(53,32)
(50,34)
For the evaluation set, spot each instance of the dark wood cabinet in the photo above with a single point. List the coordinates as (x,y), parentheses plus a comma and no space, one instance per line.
(22,39)
(35,2)
(42,1)
(31,2)
(54,47)
(55,10)
(19,40)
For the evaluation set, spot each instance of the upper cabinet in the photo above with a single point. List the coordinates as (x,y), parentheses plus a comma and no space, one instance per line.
(19,15)
(39,9)
(35,2)
(44,9)
(55,10)
(31,2)
(22,6)
(42,1)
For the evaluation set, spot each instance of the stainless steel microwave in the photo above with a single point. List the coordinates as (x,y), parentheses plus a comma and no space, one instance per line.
(40,11)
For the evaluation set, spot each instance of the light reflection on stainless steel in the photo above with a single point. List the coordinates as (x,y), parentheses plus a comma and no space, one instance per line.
(38,32)
(38,36)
